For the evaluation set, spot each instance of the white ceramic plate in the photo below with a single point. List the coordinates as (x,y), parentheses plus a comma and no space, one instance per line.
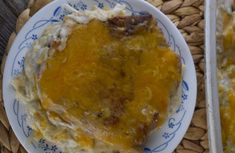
(163,140)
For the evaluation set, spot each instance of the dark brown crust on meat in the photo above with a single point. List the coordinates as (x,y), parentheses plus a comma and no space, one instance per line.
(129,25)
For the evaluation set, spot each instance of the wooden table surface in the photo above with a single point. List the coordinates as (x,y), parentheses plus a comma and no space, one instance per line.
(9,11)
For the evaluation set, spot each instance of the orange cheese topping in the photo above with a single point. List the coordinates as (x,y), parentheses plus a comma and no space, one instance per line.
(227,114)
(226,62)
(111,87)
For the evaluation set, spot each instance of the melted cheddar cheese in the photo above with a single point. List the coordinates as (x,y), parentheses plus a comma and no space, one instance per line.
(226,70)
(110,87)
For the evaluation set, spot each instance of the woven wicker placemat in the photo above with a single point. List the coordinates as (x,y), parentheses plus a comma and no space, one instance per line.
(188,16)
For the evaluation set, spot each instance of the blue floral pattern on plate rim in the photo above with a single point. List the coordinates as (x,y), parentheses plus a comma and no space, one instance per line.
(174,122)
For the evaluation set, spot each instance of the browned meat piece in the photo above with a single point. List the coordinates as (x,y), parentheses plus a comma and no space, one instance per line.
(130,25)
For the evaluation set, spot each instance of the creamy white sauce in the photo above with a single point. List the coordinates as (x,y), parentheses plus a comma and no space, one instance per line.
(100,14)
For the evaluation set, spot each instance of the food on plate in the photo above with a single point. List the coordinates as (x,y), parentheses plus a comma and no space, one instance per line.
(226,79)
(100,81)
